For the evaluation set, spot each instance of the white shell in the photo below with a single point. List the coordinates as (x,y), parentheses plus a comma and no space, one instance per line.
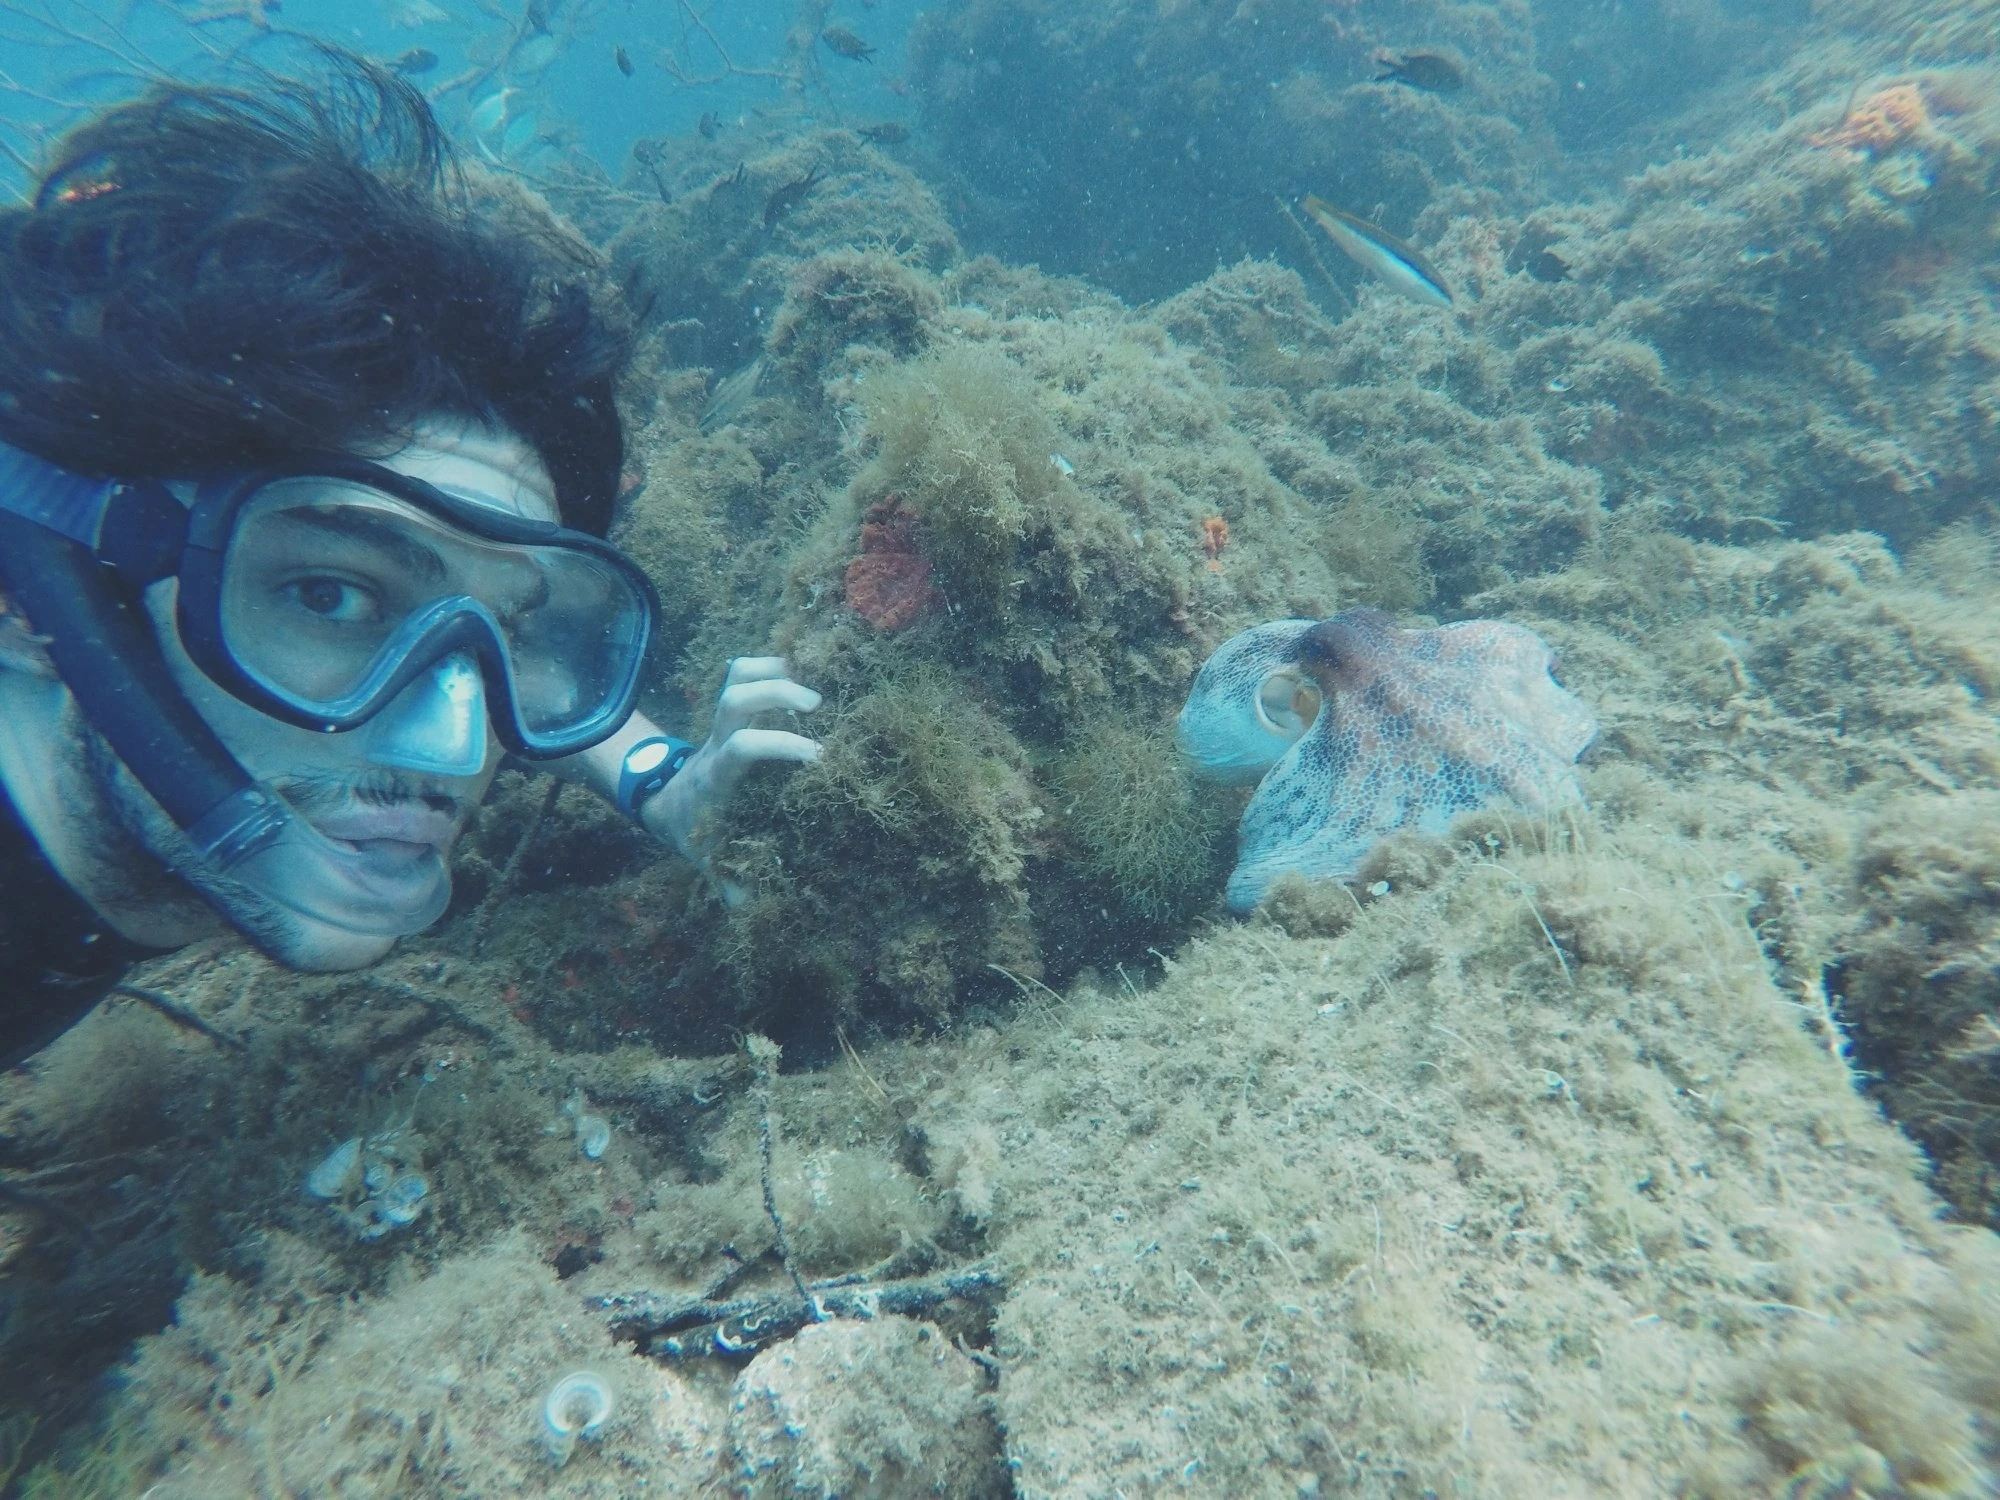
(577,1406)
(337,1170)
(593,1135)
(403,1199)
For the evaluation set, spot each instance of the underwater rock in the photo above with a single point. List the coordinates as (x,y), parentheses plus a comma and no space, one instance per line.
(843,301)
(1354,729)
(1918,984)
(886,1408)
(708,265)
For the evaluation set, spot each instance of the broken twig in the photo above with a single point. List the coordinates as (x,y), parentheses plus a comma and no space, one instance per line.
(764,1053)
(668,1328)
(510,872)
(179,1014)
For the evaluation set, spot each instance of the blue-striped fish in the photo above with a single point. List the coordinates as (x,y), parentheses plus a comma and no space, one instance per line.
(1402,266)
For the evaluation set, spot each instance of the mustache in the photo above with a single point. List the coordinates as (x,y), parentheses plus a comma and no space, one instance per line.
(309,791)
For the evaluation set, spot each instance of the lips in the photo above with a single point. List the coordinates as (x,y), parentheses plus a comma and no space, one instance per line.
(400,831)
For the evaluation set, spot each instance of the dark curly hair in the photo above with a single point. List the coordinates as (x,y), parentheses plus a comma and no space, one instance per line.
(214,276)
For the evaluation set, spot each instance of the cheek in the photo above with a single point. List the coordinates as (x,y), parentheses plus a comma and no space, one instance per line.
(267,748)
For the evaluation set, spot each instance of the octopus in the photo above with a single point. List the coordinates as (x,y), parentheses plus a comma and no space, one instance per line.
(1354,729)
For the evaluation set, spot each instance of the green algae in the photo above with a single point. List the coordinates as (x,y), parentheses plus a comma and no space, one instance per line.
(1144,833)
(960,436)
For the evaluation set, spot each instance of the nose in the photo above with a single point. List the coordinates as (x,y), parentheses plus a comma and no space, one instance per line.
(437,724)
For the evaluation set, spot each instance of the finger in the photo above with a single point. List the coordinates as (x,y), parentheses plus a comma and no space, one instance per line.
(722,765)
(743,702)
(749,747)
(755,669)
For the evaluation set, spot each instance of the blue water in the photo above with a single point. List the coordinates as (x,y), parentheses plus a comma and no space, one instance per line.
(59,59)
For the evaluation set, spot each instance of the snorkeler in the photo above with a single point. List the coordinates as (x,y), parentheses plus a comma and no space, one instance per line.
(306,461)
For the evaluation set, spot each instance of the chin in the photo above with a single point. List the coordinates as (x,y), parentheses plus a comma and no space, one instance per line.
(316,948)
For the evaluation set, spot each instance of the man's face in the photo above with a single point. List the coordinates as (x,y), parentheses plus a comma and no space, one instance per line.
(397,790)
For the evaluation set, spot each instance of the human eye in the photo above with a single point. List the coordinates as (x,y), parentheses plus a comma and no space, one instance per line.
(338,601)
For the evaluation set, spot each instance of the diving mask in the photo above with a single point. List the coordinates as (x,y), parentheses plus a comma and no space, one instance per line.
(316,592)
(319,591)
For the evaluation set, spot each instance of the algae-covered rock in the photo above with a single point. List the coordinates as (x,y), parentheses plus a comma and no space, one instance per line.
(1541,1157)
(1077,507)
(886,1409)
(1144,834)
(264,1386)
(708,267)
(1330,1215)
(1920,982)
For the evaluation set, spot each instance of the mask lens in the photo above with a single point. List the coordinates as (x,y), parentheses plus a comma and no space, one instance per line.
(573,652)
(328,585)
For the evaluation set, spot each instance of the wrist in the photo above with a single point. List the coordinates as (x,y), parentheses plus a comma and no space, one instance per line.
(645,768)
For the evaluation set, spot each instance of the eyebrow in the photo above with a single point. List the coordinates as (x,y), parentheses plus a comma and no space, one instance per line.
(411,553)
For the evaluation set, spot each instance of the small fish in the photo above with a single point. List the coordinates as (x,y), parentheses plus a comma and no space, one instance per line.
(784,199)
(1370,246)
(847,44)
(709,126)
(416,60)
(520,135)
(624,60)
(490,111)
(888,133)
(1431,71)
(731,395)
(534,53)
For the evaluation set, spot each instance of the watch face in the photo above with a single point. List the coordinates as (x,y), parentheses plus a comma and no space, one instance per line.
(641,759)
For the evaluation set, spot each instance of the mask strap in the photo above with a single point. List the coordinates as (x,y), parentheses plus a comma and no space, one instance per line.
(106,653)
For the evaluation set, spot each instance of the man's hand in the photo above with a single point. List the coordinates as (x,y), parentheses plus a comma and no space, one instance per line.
(683,811)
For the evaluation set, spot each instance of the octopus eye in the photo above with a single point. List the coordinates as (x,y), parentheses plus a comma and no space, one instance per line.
(1287,704)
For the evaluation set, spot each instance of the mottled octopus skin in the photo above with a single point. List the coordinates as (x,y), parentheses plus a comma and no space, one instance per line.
(1415,727)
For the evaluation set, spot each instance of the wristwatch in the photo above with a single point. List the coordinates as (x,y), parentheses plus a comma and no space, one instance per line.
(649,765)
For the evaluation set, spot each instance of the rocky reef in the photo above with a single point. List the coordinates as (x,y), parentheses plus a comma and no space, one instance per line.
(1543,1153)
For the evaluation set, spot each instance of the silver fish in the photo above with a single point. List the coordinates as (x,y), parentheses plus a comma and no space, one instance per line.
(490,111)
(1402,266)
(731,395)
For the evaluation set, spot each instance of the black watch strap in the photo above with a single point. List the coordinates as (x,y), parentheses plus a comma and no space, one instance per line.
(649,765)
